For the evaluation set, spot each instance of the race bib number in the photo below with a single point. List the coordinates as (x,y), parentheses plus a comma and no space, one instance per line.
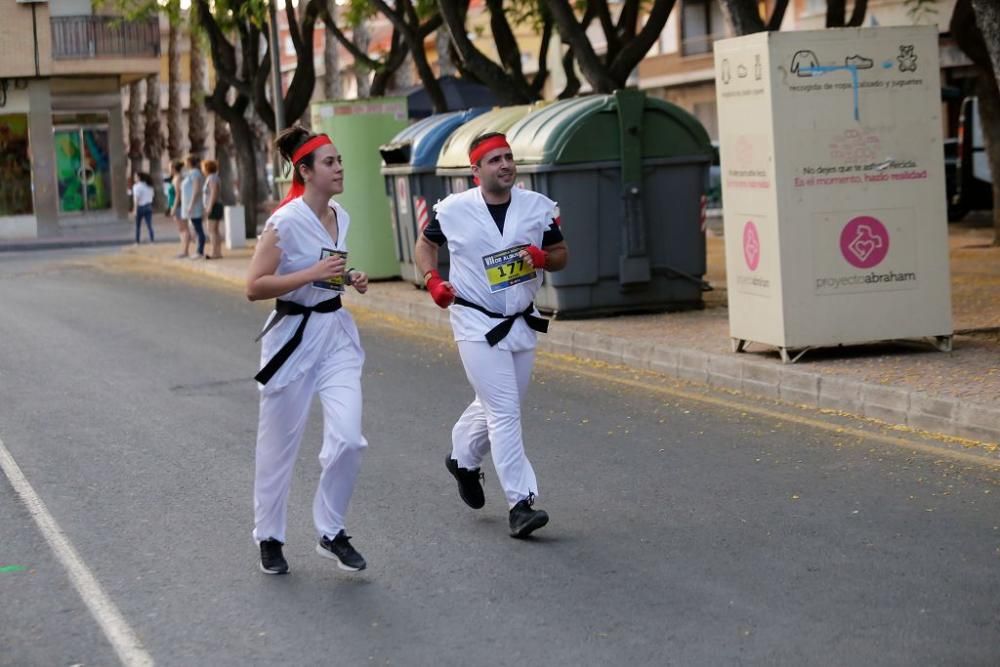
(334,284)
(505,268)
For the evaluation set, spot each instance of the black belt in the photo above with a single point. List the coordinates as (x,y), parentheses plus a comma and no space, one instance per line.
(500,331)
(281,309)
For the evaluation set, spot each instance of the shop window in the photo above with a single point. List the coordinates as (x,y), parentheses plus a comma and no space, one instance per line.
(15,166)
(702,23)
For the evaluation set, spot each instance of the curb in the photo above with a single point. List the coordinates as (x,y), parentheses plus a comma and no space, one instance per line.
(28,246)
(913,409)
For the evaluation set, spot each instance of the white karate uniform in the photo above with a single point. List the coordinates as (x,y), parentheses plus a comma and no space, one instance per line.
(328,362)
(500,375)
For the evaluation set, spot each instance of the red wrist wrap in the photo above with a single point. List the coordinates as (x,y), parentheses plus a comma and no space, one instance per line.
(441,293)
(538,256)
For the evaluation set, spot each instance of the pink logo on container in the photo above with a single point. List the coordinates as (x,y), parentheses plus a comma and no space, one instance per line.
(864,242)
(751,245)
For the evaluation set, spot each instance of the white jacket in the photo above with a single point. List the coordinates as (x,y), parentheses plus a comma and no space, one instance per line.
(301,237)
(472,234)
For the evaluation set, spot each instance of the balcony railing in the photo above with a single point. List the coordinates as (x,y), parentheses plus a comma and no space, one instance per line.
(104,37)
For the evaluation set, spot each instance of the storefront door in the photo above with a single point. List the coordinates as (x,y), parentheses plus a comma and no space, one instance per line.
(83,169)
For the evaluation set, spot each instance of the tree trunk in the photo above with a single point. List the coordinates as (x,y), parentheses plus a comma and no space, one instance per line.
(989,115)
(247,168)
(175,132)
(836,12)
(988,19)
(976,29)
(572,80)
(333,88)
(224,156)
(362,75)
(606,76)
(443,41)
(197,116)
(573,34)
(135,129)
(743,16)
(403,77)
(262,144)
(778,14)
(153,147)
(473,63)
(391,62)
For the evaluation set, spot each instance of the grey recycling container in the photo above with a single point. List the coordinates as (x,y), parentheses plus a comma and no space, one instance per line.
(628,172)
(411,185)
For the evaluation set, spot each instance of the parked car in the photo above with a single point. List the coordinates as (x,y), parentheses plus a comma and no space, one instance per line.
(970,183)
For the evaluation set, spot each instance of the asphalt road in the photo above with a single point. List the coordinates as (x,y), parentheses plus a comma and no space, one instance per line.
(687,528)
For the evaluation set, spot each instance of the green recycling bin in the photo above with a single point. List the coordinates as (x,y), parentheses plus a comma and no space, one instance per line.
(358,128)
(453,162)
(411,185)
(628,173)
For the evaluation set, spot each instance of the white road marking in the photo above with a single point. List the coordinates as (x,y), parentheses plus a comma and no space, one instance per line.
(124,640)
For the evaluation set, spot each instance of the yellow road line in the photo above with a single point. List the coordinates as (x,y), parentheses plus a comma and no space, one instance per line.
(560,362)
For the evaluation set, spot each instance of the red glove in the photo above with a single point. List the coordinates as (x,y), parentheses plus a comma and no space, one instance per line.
(442,294)
(538,256)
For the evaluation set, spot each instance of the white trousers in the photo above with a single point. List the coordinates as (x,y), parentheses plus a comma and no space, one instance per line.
(500,379)
(283,416)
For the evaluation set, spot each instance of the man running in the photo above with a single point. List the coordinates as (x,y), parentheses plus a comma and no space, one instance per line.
(500,239)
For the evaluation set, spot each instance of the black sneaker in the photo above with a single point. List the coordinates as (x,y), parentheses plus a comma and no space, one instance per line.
(271,559)
(340,550)
(469,488)
(524,520)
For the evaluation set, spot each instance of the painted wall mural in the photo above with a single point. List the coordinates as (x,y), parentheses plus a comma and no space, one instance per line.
(15,166)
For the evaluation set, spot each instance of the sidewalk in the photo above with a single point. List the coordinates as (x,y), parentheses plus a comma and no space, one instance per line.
(903,383)
(103,234)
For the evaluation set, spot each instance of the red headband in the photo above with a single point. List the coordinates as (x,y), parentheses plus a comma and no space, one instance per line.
(308,147)
(304,150)
(491,144)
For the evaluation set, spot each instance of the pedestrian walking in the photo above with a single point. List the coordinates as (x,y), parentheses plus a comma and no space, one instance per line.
(500,239)
(142,199)
(310,346)
(176,208)
(211,194)
(192,204)
(171,192)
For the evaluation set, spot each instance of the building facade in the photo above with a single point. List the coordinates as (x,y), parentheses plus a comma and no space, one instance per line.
(680,68)
(62,153)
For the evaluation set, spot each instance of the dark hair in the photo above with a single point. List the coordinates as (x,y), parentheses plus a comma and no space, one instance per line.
(177,165)
(483,137)
(288,141)
(193,161)
(145,178)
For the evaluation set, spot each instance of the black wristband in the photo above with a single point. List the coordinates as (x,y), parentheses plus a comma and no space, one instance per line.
(347,276)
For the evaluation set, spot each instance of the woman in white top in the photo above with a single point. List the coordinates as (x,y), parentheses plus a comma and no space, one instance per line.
(142,199)
(192,205)
(310,346)
(177,179)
